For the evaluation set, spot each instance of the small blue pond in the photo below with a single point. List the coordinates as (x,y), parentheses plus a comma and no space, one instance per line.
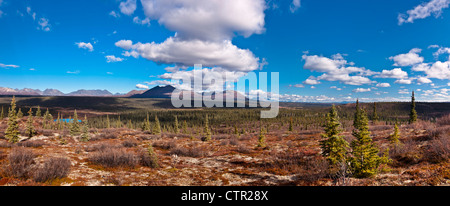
(67,120)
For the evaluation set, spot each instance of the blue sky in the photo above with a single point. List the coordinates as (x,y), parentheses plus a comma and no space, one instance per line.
(324,50)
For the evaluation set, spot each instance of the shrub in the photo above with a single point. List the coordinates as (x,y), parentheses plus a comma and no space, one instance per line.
(129,143)
(165,144)
(114,157)
(21,160)
(191,151)
(438,150)
(5,144)
(47,132)
(148,158)
(52,168)
(444,120)
(106,136)
(34,143)
(101,146)
(243,149)
(405,154)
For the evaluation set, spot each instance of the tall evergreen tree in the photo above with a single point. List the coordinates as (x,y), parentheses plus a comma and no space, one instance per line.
(146,125)
(29,130)
(207,131)
(185,127)
(47,120)
(157,126)
(108,123)
(261,138)
(85,130)
(59,122)
(38,111)
(334,147)
(357,117)
(413,113)
(12,132)
(2,115)
(177,129)
(365,160)
(130,124)
(119,123)
(291,125)
(75,126)
(375,117)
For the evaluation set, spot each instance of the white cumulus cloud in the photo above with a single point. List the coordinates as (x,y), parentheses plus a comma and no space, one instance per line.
(187,53)
(396,73)
(141,86)
(408,59)
(383,85)
(295,5)
(112,58)
(423,11)
(337,69)
(204,30)
(83,45)
(128,7)
(358,90)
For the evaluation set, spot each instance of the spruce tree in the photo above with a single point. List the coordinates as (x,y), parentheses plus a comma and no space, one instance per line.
(185,127)
(157,126)
(153,159)
(357,117)
(2,115)
(85,130)
(75,126)
(118,123)
(394,138)
(146,125)
(59,122)
(29,130)
(334,147)
(130,124)
(38,111)
(108,123)
(207,131)
(20,113)
(47,120)
(12,132)
(261,138)
(375,117)
(290,125)
(177,129)
(413,113)
(365,160)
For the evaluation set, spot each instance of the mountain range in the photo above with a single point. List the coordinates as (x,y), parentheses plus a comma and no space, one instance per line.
(160,92)
(55,92)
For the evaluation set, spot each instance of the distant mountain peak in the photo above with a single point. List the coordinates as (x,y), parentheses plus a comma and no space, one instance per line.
(95,92)
(162,92)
